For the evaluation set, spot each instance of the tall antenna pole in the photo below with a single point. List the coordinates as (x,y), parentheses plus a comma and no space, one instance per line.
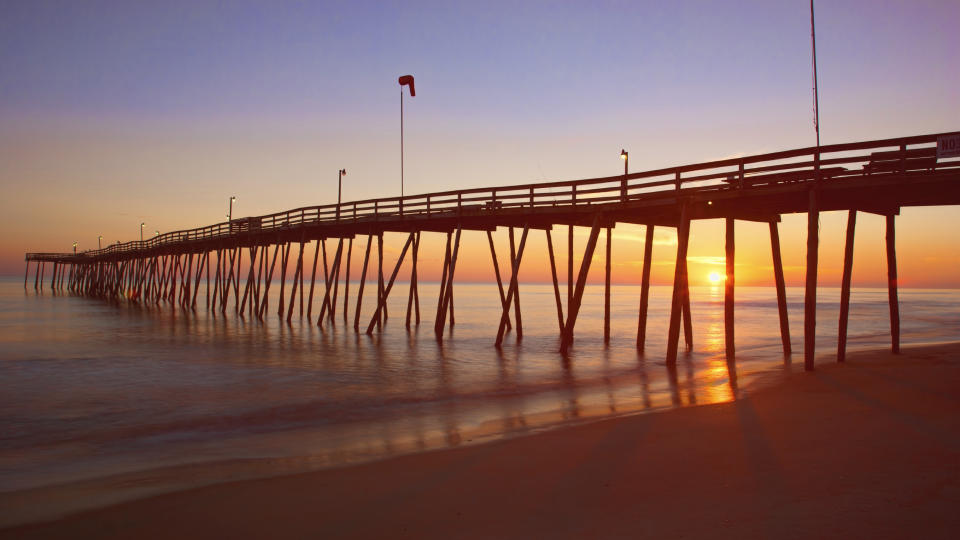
(816,104)
(401,140)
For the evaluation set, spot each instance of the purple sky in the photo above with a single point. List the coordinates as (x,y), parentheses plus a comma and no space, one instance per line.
(113,113)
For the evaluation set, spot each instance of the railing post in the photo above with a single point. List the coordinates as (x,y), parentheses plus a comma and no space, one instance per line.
(459,204)
(428,206)
(531,197)
(400,202)
(741,174)
(903,159)
(573,195)
(623,189)
(816,166)
(676,181)
(376,210)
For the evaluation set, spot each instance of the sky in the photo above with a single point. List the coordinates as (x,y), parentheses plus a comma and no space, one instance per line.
(117,113)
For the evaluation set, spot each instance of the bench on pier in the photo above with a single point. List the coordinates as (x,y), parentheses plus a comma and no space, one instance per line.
(895,161)
(788,177)
(493,205)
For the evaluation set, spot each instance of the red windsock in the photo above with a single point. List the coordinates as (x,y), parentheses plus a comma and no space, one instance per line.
(408,80)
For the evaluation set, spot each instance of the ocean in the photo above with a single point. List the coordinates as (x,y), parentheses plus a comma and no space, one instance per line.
(102,402)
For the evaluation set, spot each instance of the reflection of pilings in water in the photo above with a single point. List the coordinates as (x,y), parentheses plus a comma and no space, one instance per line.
(674,382)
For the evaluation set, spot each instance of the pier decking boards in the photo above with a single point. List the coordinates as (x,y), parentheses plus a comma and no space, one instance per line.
(878,177)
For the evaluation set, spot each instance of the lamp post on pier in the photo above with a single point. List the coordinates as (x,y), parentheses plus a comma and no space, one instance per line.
(99,238)
(230,212)
(141,231)
(74,248)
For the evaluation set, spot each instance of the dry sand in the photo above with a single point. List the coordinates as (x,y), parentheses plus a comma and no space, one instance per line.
(867,449)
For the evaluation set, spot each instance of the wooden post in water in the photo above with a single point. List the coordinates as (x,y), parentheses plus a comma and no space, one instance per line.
(645,289)
(516,296)
(781,287)
(336,282)
(413,282)
(845,286)
(574,308)
(569,266)
(443,282)
(810,295)
(679,273)
(25,274)
(448,289)
(325,304)
(236,279)
(606,290)
(556,284)
(685,304)
(36,277)
(512,288)
(393,277)
(728,292)
(346,280)
(892,284)
(296,278)
(363,280)
(496,272)
(269,279)
(285,258)
(334,279)
(313,280)
(383,313)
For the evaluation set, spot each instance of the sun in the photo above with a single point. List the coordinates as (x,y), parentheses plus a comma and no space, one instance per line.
(715,277)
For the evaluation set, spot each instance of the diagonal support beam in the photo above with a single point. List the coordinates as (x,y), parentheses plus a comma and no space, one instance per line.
(574,308)
(386,292)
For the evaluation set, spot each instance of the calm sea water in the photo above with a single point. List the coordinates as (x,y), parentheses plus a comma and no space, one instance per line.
(100,402)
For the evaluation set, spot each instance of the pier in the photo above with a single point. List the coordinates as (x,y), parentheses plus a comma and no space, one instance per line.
(878,177)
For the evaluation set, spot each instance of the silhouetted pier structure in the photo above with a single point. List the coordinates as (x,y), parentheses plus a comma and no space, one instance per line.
(877,177)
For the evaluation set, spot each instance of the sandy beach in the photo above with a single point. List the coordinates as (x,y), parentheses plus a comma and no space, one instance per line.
(869,448)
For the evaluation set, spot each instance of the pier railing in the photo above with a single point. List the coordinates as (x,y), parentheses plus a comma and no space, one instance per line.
(832,163)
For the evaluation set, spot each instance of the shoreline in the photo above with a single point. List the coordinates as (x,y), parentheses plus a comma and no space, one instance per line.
(760,449)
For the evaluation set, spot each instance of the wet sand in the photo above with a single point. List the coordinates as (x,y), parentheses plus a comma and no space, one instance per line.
(869,448)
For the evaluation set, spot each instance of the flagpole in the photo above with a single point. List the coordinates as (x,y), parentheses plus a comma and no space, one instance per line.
(816,104)
(401,142)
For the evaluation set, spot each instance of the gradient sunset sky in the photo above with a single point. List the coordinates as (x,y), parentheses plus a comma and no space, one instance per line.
(116,113)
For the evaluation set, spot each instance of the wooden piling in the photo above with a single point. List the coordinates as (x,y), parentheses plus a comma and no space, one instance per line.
(386,293)
(892,284)
(448,290)
(679,272)
(810,294)
(296,278)
(363,279)
(443,281)
(496,273)
(556,284)
(569,266)
(516,297)
(336,282)
(269,278)
(346,280)
(781,288)
(845,286)
(606,289)
(313,279)
(512,289)
(645,288)
(728,291)
(574,307)
(284,259)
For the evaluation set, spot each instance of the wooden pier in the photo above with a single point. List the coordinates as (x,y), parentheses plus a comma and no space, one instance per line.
(877,177)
